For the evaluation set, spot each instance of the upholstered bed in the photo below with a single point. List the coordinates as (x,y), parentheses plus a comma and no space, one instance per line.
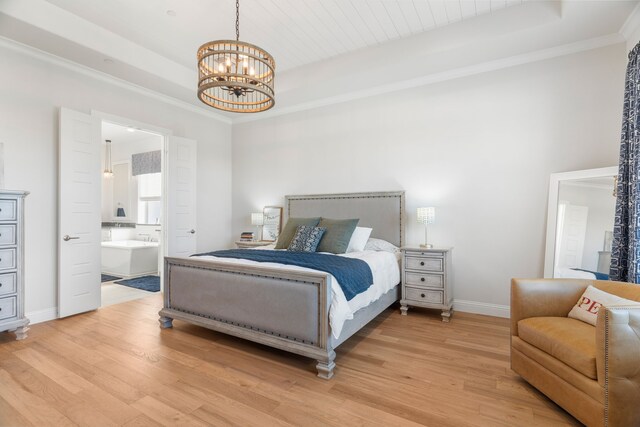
(283,308)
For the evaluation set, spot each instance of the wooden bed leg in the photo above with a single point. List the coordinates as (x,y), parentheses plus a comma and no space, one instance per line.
(325,368)
(165,322)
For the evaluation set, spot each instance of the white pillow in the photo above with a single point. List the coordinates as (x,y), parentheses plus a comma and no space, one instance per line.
(586,309)
(359,239)
(380,245)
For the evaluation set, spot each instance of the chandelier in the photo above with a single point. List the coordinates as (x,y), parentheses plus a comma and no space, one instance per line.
(236,76)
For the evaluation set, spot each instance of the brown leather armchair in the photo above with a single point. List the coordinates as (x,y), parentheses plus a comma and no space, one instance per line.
(591,372)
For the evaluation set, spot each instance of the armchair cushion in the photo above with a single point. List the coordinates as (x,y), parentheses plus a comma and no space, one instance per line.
(569,340)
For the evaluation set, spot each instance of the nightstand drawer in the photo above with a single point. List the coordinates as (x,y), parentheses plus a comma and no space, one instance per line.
(8,307)
(7,234)
(7,210)
(8,284)
(424,295)
(424,263)
(424,279)
(7,259)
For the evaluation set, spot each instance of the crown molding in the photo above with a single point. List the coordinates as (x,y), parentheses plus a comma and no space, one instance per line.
(107,78)
(539,55)
(631,24)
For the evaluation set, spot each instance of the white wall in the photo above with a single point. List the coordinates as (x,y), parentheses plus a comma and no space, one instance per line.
(479,148)
(31,92)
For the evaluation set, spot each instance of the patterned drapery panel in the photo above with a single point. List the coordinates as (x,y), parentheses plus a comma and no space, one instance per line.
(149,162)
(625,252)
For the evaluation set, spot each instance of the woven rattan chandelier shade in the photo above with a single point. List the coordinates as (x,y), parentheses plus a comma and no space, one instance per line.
(236,76)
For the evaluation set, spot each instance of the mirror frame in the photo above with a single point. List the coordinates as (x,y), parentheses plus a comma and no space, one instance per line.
(552,213)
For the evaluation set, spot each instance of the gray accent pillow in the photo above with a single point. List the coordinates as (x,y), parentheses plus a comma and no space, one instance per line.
(306,238)
(289,230)
(336,238)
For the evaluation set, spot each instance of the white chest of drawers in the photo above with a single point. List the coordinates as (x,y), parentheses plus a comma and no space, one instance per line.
(426,280)
(12,316)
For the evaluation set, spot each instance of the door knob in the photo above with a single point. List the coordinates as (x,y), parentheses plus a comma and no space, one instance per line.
(192,231)
(66,238)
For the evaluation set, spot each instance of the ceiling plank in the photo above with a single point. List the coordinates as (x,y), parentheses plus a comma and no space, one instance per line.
(439,12)
(424,13)
(468,8)
(352,15)
(397,17)
(382,16)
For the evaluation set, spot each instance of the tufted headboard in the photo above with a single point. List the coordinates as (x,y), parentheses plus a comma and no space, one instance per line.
(382,211)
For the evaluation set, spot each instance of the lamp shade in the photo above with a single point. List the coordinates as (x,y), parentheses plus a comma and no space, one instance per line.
(120,212)
(257,218)
(426,215)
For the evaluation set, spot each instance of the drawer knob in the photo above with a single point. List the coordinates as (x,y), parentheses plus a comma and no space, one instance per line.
(422,279)
(0,285)
(422,295)
(421,262)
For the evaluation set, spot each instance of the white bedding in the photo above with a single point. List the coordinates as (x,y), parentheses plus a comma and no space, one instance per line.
(569,273)
(386,274)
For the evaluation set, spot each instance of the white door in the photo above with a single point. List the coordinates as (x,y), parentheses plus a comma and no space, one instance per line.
(79,213)
(574,230)
(181,197)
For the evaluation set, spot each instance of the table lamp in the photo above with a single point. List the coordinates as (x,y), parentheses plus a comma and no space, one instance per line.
(426,216)
(257,219)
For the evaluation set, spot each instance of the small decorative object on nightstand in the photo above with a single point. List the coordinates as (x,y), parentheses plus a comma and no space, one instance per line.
(426,279)
(243,244)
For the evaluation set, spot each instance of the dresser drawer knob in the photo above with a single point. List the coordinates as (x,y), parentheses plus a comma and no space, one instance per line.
(422,279)
(422,295)
(421,262)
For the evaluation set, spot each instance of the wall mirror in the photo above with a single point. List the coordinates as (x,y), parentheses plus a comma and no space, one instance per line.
(580,223)
(272,223)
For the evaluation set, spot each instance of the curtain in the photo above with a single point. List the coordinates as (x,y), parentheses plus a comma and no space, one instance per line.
(625,252)
(143,163)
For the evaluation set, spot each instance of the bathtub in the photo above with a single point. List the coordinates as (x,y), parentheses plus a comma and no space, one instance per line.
(129,258)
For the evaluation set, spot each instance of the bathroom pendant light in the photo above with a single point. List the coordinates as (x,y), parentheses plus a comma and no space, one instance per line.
(108,171)
(236,76)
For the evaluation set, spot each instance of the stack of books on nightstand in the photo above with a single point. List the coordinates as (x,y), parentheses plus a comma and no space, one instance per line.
(246,236)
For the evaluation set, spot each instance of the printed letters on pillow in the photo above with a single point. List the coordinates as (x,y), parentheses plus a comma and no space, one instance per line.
(587,307)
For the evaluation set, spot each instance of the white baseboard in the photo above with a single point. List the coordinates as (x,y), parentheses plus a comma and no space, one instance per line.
(481,308)
(42,315)
(458,305)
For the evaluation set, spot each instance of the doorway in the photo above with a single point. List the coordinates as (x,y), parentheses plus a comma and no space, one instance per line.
(82,156)
(132,217)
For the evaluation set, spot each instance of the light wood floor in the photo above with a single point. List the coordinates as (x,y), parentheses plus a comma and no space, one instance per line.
(115,366)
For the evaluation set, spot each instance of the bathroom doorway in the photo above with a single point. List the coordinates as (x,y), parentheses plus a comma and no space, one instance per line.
(132,213)
(81,162)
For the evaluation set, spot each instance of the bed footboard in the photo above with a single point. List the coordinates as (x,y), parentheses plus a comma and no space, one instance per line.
(282,309)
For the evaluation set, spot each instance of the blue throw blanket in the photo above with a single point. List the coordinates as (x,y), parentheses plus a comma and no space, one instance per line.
(353,275)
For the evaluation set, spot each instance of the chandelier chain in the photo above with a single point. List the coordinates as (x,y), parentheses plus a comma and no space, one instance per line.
(237,20)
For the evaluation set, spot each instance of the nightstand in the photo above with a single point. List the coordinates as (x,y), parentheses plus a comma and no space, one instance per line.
(251,244)
(426,280)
